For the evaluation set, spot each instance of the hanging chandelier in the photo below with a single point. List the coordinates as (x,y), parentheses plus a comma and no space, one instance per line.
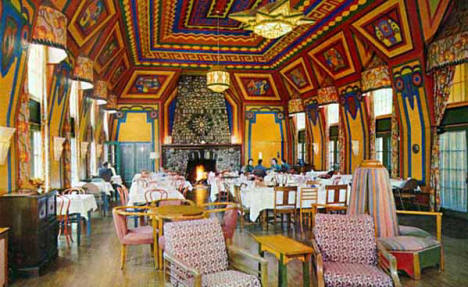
(217,78)
(272,20)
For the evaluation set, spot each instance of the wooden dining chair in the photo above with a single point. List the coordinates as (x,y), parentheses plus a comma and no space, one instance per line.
(336,205)
(171,201)
(244,211)
(150,195)
(282,204)
(123,195)
(74,190)
(63,207)
(308,195)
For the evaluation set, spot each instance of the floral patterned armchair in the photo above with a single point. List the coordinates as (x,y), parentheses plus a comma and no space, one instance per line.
(196,255)
(347,254)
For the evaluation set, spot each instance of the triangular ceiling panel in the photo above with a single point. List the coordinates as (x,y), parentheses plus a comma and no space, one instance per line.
(120,68)
(89,18)
(387,28)
(432,12)
(364,50)
(334,57)
(256,86)
(146,84)
(113,44)
(297,75)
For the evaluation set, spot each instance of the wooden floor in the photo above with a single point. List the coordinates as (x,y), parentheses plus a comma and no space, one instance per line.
(96,262)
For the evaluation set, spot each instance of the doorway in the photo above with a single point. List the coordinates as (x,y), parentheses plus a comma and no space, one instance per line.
(134,157)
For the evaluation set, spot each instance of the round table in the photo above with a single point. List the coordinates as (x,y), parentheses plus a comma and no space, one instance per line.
(170,212)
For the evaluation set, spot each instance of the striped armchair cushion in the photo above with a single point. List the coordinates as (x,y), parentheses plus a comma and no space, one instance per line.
(408,243)
(413,231)
(346,238)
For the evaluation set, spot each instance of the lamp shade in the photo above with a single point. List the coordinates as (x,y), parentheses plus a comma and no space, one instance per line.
(111,105)
(100,92)
(51,31)
(5,140)
(83,72)
(295,106)
(217,79)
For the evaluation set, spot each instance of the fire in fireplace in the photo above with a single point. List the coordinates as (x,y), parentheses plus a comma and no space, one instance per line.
(198,168)
(200,173)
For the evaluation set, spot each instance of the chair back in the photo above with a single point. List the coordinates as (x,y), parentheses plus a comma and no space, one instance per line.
(346,238)
(312,182)
(155,194)
(238,195)
(336,189)
(123,194)
(91,188)
(172,201)
(282,197)
(63,205)
(74,190)
(230,222)
(200,243)
(308,194)
(120,224)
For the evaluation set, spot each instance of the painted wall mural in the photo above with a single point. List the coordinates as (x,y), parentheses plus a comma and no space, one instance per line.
(257,86)
(317,138)
(112,46)
(92,15)
(334,57)
(119,69)
(148,84)
(415,132)
(355,124)
(387,28)
(15,28)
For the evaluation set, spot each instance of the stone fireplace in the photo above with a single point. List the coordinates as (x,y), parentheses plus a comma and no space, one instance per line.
(201,133)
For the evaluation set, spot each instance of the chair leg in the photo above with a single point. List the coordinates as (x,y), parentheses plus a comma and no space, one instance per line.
(301,219)
(123,256)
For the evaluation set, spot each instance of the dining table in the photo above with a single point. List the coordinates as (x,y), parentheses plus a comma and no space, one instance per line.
(82,205)
(137,191)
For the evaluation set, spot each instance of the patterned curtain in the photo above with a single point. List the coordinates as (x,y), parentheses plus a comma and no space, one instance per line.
(370,99)
(67,173)
(292,129)
(442,78)
(341,143)
(327,138)
(23,141)
(395,142)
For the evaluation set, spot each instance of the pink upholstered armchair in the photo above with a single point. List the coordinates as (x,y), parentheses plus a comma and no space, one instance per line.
(127,236)
(230,213)
(346,253)
(196,255)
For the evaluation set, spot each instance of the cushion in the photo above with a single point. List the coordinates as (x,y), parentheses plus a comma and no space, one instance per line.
(139,235)
(198,242)
(354,275)
(413,231)
(408,243)
(229,278)
(346,238)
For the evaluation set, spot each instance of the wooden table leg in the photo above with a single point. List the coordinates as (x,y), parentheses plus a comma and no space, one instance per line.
(156,243)
(160,251)
(306,271)
(88,224)
(282,272)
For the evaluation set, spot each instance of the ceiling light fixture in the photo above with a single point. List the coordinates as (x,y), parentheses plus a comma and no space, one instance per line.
(272,20)
(217,79)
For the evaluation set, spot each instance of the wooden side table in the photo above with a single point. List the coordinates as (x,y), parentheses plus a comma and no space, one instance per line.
(3,257)
(285,250)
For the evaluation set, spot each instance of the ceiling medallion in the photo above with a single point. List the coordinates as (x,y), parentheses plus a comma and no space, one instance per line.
(272,20)
(217,79)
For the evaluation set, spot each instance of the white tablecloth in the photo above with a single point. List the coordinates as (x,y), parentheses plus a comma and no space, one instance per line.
(79,203)
(137,192)
(103,186)
(262,198)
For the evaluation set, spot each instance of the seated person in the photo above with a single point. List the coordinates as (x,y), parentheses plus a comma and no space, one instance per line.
(285,167)
(259,170)
(249,167)
(275,166)
(105,172)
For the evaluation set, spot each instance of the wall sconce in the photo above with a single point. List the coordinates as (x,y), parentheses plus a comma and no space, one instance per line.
(315,148)
(168,140)
(5,136)
(233,139)
(355,147)
(58,147)
(260,155)
(84,149)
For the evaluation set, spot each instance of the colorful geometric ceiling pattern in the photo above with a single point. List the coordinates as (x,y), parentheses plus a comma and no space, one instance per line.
(148,84)
(257,87)
(183,33)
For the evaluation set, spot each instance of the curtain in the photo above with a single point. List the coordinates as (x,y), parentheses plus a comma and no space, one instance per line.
(395,141)
(294,141)
(341,142)
(325,151)
(371,125)
(442,79)
(23,141)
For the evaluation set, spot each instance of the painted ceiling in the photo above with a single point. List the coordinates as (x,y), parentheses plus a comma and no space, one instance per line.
(141,47)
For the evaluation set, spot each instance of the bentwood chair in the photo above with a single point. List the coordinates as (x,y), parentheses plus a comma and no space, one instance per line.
(63,206)
(229,212)
(244,211)
(155,194)
(346,253)
(74,190)
(171,201)
(131,236)
(336,204)
(308,198)
(285,202)
(102,199)
(123,195)
(195,255)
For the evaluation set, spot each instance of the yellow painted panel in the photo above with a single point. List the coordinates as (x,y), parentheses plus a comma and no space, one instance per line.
(135,128)
(317,138)
(265,138)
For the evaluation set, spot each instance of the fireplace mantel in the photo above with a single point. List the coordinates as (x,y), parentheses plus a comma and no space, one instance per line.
(176,156)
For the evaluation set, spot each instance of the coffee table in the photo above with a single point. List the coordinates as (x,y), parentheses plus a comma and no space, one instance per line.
(286,249)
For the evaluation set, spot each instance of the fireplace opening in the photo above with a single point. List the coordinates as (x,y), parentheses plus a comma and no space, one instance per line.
(198,169)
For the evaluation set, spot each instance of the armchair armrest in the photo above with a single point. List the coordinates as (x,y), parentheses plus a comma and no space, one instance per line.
(262,262)
(318,264)
(438,216)
(388,263)
(178,274)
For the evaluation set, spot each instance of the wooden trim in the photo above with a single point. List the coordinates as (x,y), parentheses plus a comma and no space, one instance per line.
(438,216)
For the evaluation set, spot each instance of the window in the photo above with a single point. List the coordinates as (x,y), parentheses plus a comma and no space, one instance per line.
(383,99)
(333,114)
(458,91)
(36,154)
(73,142)
(333,151)
(93,159)
(301,136)
(36,72)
